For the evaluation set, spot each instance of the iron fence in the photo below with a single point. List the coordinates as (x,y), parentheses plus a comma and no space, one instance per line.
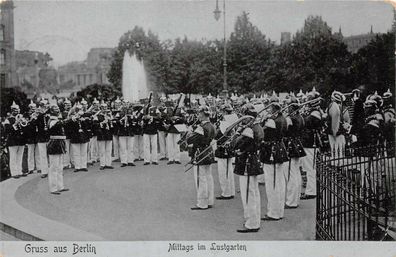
(356,195)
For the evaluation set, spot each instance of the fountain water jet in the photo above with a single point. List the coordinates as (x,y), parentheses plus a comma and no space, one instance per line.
(134,79)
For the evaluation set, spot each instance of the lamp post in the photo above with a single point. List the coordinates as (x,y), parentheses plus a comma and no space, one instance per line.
(217,14)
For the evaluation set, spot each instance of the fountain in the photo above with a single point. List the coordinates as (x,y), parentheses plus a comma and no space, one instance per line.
(134,79)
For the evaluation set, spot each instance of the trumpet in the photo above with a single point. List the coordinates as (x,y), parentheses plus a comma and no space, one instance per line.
(20,121)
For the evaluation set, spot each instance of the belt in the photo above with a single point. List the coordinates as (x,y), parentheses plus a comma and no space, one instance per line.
(57,137)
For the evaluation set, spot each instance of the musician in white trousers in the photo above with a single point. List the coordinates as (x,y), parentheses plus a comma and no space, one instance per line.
(293,180)
(138,147)
(56,150)
(15,140)
(173,147)
(32,157)
(226,178)
(163,151)
(80,156)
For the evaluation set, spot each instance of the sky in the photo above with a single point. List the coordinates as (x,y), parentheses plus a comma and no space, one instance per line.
(68,29)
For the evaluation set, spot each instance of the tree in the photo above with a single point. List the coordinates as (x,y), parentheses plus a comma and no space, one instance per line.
(374,64)
(315,57)
(147,48)
(9,95)
(100,92)
(249,54)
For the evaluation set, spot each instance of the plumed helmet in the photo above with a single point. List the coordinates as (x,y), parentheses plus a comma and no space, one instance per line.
(300,94)
(248,109)
(370,104)
(376,97)
(32,104)
(14,106)
(227,108)
(387,94)
(204,109)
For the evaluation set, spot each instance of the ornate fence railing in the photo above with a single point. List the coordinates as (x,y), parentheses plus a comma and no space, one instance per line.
(356,196)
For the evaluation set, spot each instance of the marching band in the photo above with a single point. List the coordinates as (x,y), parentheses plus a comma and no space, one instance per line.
(261,140)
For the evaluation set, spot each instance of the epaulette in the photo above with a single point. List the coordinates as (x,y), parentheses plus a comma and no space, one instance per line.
(316,114)
(270,123)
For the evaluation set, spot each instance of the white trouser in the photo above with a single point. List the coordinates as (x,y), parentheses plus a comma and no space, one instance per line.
(309,165)
(67,154)
(275,191)
(226,176)
(337,146)
(55,174)
(173,147)
(80,155)
(93,149)
(293,182)
(126,149)
(251,201)
(163,151)
(150,148)
(138,146)
(204,185)
(116,150)
(105,152)
(32,157)
(16,154)
(43,159)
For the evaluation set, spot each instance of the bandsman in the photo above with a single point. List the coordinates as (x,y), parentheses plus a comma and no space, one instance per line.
(56,150)
(274,156)
(14,131)
(247,167)
(203,158)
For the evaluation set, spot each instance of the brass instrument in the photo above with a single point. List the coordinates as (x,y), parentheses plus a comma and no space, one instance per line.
(206,152)
(20,122)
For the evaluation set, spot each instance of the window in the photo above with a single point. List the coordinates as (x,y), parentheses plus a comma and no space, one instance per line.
(2,80)
(2,57)
(2,32)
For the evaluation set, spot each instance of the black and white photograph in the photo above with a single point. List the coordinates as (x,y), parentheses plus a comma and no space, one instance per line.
(214,122)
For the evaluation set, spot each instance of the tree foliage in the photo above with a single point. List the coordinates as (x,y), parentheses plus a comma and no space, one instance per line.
(314,57)
(8,95)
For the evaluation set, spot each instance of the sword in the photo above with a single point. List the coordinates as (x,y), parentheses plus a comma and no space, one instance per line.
(227,169)
(197,176)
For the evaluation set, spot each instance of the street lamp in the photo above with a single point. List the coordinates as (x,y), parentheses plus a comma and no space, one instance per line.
(217,14)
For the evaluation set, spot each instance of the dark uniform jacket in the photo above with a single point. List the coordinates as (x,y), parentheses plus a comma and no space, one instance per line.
(42,126)
(151,125)
(116,123)
(293,137)
(246,148)
(312,130)
(223,151)
(273,149)
(201,143)
(172,121)
(66,125)
(103,128)
(14,134)
(125,126)
(56,144)
(79,131)
(371,135)
(30,131)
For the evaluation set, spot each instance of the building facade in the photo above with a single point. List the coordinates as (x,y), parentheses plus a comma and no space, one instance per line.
(355,42)
(91,71)
(7,45)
